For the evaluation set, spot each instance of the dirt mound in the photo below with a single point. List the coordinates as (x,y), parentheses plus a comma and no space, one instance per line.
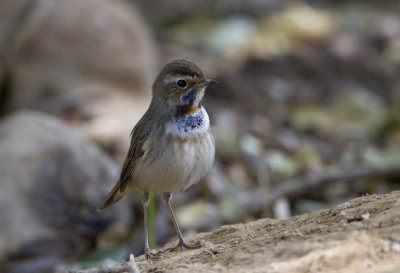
(362,235)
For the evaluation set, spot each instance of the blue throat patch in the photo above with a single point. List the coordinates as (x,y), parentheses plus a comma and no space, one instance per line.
(189,96)
(191,122)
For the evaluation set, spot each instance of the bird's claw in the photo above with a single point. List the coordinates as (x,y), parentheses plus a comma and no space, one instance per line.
(183,245)
(150,255)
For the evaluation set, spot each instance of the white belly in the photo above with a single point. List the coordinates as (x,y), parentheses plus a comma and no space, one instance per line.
(183,162)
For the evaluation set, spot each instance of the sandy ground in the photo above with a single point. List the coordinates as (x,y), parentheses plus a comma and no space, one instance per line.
(362,235)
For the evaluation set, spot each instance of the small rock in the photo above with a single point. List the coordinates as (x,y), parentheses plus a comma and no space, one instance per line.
(250,145)
(282,208)
(344,205)
(225,131)
(373,156)
(231,33)
(358,112)
(281,164)
(198,214)
(365,216)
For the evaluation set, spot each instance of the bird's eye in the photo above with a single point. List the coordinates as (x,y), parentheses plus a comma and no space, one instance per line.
(181,83)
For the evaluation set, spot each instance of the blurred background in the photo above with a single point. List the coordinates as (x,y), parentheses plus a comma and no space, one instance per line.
(308,90)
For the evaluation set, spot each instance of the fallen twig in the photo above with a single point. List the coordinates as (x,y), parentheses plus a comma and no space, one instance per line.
(129,266)
(300,186)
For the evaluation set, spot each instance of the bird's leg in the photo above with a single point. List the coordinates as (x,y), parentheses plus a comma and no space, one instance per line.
(182,244)
(145,203)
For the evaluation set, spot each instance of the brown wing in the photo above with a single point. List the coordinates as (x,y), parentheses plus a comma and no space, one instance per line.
(139,135)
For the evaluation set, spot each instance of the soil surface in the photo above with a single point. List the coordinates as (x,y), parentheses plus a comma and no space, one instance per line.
(361,235)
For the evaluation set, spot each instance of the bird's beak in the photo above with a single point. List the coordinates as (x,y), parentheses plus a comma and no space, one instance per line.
(208,82)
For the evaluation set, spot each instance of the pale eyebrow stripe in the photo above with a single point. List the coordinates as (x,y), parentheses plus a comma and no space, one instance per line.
(170,79)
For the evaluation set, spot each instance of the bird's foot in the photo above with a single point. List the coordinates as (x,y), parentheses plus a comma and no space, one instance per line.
(183,245)
(150,255)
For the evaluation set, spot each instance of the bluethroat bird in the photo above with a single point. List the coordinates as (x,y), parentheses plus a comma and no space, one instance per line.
(172,146)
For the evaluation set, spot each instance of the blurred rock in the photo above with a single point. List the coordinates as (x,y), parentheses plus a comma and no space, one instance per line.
(359,113)
(281,208)
(63,50)
(251,145)
(353,113)
(281,164)
(289,29)
(51,182)
(346,45)
(304,22)
(71,57)
(225,131)
(217,181)
(238,175)
(307,117)
(309,157)
(99,257)
(374,157)
(113,119)
(197,215)
(230,34)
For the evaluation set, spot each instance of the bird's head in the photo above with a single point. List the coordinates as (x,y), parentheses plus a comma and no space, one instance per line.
(180,86)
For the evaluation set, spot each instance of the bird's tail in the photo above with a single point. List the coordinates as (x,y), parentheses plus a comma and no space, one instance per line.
(113,196)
